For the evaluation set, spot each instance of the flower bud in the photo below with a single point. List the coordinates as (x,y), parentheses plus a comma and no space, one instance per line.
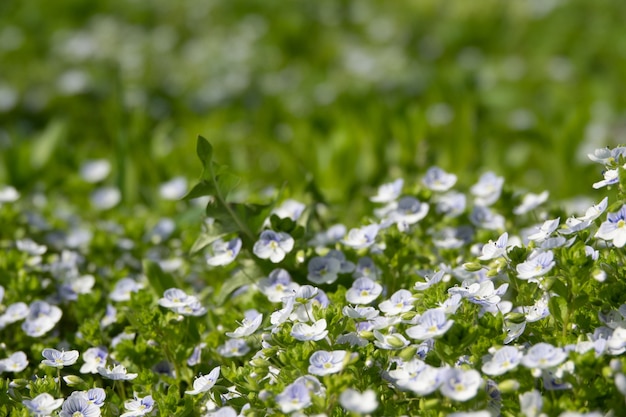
(472,266)
(408,353)
(508,386)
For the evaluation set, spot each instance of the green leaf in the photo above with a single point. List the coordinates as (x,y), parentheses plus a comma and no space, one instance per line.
(558,308)
(201,189)
(242,277)
(560,288)
(159,280)
(46,143)
(204,240)
(227,182)
(204,151)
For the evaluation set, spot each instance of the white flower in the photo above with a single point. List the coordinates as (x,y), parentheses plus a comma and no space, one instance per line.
(400,302)
(363,291)
(429,281)
(459,384)
(325,363)
(273,245)
(173,189)
(436,179)
(223,253)
(118,372)
(388,192)
(357,402)
(494,250)
(17,362)
(8,194)
(233,348)
(138,406)
(611,176)
(205,382)
(503,360)
(537,265)
(94,358)
(530,202)
(174,298)
(543,356)
(363,237)
(294,397)
(249,325)
(304,332)
(488,189)
(43,404)
(105,198)
(544,231)
(431,324)
(59,359)
(531,403)
(79,406)
(95,170)
(418,377)
(614,228)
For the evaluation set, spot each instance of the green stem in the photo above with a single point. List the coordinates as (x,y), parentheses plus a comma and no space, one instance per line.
(242,226)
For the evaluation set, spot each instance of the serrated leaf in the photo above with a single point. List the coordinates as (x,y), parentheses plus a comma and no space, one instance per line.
(159,280)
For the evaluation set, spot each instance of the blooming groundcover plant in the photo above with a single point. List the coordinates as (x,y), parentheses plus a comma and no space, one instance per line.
(484,309)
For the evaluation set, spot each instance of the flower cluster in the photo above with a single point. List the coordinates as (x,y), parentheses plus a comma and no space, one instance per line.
(443,307)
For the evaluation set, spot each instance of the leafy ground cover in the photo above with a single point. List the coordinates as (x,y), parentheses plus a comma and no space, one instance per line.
(403,209)
(425,307)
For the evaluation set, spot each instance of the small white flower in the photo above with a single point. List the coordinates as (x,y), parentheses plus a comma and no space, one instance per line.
(494,250)
(118,372)
(363,291)
(611,176)
(294,397)
(357,402)
(173,189)
(43,404)
(360,238)
(304,332)
(223,253)
(273,245)
(94,358)
(459,384)
(59,358)
(95,170)
(531,403)
(537,265)
(204,383)
(249,325)
(530,202)
(614,228)
(138,406)
(325,363)
(388,192)
(503,360)
(17,362)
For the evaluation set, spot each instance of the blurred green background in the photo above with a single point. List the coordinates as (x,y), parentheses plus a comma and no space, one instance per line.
(350,93)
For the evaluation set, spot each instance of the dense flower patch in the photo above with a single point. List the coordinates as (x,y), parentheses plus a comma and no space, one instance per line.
(482,302)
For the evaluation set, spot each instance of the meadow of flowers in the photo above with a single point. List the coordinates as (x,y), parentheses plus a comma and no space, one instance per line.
(449,299)
(403,208)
